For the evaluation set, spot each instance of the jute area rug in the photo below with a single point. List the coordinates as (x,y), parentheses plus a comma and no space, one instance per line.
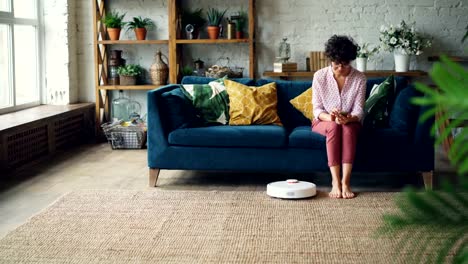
(163,226)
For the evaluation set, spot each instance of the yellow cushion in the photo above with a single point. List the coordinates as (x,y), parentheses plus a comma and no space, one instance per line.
(252,105)
(303,103)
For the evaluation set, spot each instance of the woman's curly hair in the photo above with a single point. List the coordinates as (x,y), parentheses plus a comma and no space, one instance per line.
(341,49)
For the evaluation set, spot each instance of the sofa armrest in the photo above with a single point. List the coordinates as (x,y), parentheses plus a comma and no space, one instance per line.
(424,140)
(422,132)
(157,141)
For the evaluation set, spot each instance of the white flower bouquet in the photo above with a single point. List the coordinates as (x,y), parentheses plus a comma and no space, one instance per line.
(403,38)
(365,51)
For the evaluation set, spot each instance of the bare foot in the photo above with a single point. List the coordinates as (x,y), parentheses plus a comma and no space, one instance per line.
(347,193)
(335,191)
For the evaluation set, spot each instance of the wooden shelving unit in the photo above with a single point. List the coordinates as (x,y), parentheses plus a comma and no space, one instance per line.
(210,41)
(118,42)
(101,44)
(175,47)
(308,74)
(129,87)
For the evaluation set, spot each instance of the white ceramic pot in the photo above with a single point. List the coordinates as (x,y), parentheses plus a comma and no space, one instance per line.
(361,64)
(402,62)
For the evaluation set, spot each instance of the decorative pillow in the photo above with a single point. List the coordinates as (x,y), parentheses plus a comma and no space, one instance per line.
(376,107)
(210,100)
(303,103)
(252,105)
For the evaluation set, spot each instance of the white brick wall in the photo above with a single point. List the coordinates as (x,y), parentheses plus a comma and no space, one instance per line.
(307,24)
(56,17)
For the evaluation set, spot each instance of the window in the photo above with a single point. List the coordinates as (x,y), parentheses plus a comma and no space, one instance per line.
(20,84)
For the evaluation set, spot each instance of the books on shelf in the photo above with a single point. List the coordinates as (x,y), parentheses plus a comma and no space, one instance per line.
(284,67)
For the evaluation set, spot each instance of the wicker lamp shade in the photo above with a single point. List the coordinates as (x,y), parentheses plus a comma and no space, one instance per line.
(159,71)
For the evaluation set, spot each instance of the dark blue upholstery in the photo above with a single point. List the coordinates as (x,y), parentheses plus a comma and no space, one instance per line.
(173,142)
(268,136)
(404,114)
(178,110)
(303,137)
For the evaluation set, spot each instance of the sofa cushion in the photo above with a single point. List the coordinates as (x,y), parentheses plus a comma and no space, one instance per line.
(303,103)
(383,140)
(210,100)
(178,110)
(288,90)
(404,114)
(265,136)
(205,80)
(304,137)
(249,105)
(376,107)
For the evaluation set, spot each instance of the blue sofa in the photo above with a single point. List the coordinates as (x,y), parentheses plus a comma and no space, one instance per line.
(177,141)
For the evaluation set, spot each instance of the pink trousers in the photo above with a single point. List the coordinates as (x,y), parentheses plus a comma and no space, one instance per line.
(341,140)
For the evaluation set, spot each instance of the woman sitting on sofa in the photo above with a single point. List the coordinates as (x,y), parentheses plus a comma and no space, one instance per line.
(338,104)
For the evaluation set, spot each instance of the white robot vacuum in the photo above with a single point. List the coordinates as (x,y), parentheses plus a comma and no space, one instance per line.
(291,189)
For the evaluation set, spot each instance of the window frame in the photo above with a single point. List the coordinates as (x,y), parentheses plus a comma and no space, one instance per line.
(8,19)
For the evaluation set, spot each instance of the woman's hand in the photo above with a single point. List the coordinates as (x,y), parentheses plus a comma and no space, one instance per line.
(337,116)
(341,118)
(344,119)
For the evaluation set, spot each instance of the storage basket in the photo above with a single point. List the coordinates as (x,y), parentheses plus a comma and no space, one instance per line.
(127,80)
(216,71)
(133,137)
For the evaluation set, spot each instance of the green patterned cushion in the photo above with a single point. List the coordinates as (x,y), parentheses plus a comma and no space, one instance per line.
(376,108)
(210,100)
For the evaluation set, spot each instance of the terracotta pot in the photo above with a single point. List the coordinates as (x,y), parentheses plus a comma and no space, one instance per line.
(239,35)
(114,33)
(213,32)
(140,33)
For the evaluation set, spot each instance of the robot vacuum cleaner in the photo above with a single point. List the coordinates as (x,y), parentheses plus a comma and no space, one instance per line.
(291,189)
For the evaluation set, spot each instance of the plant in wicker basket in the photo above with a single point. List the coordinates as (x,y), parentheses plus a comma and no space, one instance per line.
(214,17)
(128,74)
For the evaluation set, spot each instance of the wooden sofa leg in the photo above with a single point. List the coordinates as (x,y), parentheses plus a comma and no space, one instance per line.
(153,176)
(427,178)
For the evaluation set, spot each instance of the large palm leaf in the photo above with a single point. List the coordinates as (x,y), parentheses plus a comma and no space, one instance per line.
(432,227)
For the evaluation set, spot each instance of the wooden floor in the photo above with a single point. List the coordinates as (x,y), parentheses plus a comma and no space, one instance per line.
(27,192)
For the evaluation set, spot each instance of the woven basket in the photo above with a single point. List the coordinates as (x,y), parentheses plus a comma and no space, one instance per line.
(127,80)
(216,71)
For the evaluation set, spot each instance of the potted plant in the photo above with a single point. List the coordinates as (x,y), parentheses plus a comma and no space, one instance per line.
(403,40)
(140,26)
(114,23)
(214,20)
(241,22)
(129,73)
(364,52)
(195,19)
(187,71)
